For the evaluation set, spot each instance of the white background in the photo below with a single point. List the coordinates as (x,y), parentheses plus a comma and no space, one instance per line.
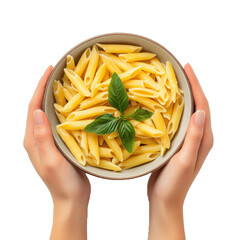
(35,34)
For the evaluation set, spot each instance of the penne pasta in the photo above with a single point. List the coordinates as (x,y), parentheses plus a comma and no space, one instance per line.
(77,82)
(160,125)
(83,62)
(92,66)
(95,111)
(58,93)
(72,145)
(76,125)
(135,57)
(82,95)
(115,147)
(92,139)
(111,66)
(119,48)
(138,160)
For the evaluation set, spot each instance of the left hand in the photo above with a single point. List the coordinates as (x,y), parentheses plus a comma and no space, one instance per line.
(63,180)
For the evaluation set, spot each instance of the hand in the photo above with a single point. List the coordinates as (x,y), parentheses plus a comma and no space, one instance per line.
(69,187)
(167,187)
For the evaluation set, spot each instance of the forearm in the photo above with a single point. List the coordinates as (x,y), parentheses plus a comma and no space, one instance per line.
(166,222)
(69,221)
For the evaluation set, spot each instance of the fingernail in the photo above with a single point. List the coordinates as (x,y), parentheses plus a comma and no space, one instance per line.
(38,118)
(199,118)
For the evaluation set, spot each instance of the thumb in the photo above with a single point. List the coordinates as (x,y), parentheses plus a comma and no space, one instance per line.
(194,135)
(43,134)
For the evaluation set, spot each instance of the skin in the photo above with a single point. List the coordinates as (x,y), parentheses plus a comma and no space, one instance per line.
(70,188)
(167,187)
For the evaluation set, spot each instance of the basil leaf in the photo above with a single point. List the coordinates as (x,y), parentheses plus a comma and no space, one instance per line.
(103,124)
(140,115)
(117,94)
(126,133)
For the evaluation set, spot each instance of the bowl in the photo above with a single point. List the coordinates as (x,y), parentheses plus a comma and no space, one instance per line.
(150,46)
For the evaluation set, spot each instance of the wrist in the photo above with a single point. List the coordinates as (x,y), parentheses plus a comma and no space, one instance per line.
(166,221)
(69,219)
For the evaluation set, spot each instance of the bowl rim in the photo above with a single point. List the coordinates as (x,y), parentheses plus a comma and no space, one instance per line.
(106,35)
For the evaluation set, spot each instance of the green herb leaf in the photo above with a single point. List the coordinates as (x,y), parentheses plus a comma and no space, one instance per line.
(117,94)
(140,115)
(127,135)
(103,124)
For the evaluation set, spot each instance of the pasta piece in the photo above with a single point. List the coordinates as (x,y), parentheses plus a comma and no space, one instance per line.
(133,103)
(113,135)
(81,138)
(93,146)
(155,62)
(118,61)
(92,66)
(138,160)
(149,122)
(149,103)
(168,113)
(60,117)
(89,102)
(172,80)
(77,82)
(72,145)
(73,103)
(58,93)
(111,66)
(70,62)
(149,131)
(106,152)
(119,48)
(98,79)
(163,91)
(123,76)
(104,164)
(131,109)
(114,146)
(148,81)
(134,84)
(127,154)
(148,67)
(100,140)
(115,160)
(176,116)
(135,57)
(148,149)
(83,62)
(59,108)
(95,111)
(77,125)
(146,141)
(160,125)
(70,88)
(144,92)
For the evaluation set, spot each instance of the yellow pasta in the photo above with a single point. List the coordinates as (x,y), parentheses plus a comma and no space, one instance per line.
(138,160)
(111,66)
(77,82)
(82,95)
(135,57)
(92,66)
(119,48)
(58,93)
(95,111)
(83,62)
(72,145)
(94,146)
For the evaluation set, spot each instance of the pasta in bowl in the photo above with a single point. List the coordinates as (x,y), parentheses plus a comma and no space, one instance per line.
(120,105)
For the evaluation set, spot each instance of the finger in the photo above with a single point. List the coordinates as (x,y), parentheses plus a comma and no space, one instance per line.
(190,148)
(43,136)
(35,103)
